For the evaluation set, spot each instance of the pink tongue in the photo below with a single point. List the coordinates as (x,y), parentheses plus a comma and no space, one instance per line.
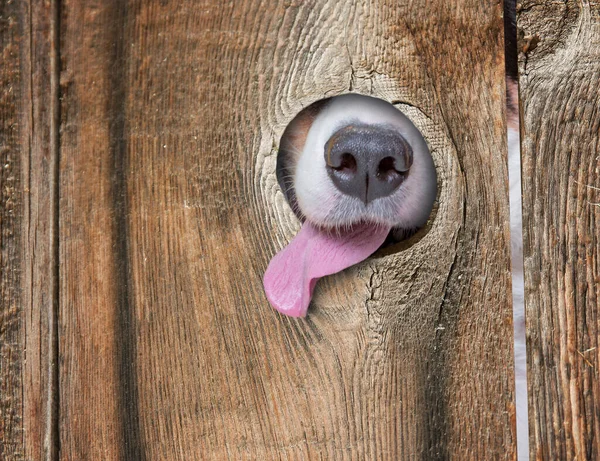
(314,253)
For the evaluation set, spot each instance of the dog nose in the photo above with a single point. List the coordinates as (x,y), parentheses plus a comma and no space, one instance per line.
(367,161)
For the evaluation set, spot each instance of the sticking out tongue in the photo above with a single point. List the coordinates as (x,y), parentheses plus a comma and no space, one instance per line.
(314,253)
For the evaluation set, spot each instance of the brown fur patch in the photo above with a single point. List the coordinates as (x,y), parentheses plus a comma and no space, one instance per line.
(291,146)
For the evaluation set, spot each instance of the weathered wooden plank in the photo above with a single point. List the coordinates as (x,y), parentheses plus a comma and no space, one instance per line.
(559,78)
(169,213)
(11,217)
(97,362)
(28,146)
(40,230)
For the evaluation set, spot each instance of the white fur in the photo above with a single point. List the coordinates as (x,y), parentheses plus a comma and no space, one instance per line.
(322,203)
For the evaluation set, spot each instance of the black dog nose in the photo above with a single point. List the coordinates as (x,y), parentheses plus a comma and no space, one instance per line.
(367,161)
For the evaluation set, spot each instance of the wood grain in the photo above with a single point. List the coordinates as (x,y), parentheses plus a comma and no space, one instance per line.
(98,403)
(11,217)
(169,213)
(28,150)
(559,79)
(40,244)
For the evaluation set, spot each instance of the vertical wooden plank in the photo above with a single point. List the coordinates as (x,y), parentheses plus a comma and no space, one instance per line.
(40,239)
(98,402)
(559,78)
(28,108)
(169,213)
(12,35)
(470,377)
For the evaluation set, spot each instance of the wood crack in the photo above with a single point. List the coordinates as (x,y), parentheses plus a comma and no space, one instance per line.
(52,441)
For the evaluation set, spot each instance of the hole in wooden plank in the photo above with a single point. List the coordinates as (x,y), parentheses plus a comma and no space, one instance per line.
(293,145)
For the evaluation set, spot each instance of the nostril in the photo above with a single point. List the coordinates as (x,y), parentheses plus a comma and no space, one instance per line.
(386,170)
(347,164)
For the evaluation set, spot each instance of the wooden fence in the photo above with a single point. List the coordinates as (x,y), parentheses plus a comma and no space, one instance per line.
(560,149)
(139,210)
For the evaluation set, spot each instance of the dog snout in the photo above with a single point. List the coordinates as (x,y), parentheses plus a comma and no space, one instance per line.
(367,162)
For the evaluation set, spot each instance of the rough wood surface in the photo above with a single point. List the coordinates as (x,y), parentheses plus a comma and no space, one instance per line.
(28,169)
(560,80)
(40,230)
(169,213)
(11,216)
(156,232)
(98,402)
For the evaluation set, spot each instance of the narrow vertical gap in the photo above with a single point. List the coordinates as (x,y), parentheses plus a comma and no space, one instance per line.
(518,294)
(516,229)
(52,438)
